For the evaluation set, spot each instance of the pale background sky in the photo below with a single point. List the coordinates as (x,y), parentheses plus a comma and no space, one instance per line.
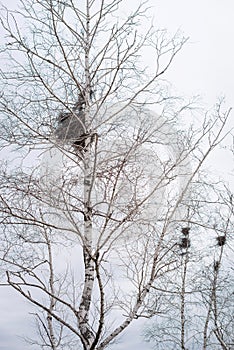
(206,67)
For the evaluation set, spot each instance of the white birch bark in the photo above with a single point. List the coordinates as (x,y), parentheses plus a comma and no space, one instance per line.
(84,307)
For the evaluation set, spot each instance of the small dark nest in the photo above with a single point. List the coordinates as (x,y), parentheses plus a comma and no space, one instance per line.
(216,265)
(221,240)
(184,243)
(185,231)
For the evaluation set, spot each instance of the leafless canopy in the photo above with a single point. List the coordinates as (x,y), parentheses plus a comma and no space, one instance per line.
(96,186)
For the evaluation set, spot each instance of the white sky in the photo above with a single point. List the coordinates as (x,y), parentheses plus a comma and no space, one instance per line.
(205,66)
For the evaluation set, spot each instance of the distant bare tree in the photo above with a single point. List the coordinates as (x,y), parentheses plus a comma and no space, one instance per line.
(200,296)
(95,181)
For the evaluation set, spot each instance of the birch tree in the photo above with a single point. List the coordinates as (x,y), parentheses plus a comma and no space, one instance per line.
(200,297)
(95,181)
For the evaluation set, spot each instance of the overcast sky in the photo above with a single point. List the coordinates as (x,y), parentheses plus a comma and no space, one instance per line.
(205,66)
